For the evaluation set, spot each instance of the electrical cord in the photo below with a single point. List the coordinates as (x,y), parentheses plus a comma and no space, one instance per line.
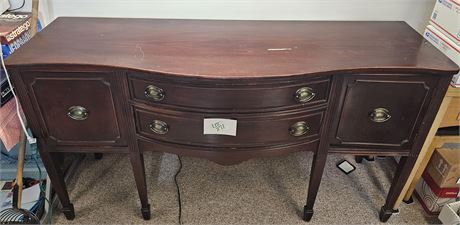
(30,139)
(18,8)
(178,189)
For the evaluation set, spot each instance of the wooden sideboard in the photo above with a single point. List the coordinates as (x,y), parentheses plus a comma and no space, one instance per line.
(134,85)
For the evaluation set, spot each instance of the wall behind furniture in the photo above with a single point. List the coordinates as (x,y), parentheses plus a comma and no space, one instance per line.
(414,12)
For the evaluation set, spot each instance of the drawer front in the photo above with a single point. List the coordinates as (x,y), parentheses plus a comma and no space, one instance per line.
(77,108)
(382,110)
(251,130)
(226,97)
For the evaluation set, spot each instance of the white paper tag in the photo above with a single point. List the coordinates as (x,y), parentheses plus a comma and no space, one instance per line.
(219,126)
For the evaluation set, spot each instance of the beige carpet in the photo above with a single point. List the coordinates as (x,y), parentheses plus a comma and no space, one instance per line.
(258,191)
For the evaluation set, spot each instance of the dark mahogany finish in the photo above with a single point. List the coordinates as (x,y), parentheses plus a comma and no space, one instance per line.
(371,88)
(233,49)
(94,91)
(406,98)
(217,97)
(252,130)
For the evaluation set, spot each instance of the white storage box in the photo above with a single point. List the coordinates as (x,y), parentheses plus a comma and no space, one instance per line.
(449,214)
(446,18)
(446,46)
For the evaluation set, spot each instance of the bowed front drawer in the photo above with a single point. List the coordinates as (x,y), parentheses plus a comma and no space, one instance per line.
(240,95)
(252,130)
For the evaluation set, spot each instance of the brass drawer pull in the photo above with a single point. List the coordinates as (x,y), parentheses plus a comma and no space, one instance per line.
(299,129)
(154,92)
(380,115)
(159,127)
(78,113)
(304,94)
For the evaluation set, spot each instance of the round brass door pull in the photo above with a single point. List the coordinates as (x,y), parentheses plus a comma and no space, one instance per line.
(159,127)
(78,113)
(380,115)
(299,129)
(304,94)
(154,92)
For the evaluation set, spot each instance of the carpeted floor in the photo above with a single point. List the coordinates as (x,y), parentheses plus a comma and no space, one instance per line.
(258,191)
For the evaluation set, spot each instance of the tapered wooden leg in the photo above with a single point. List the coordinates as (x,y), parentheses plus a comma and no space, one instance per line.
(137,162)
(405,166)
(57,180)
(319,161)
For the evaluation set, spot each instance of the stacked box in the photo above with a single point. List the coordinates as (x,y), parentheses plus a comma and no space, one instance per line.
(431,196)
(443,31)
(446,17)
(446,46)
(444,167)
(15,31)
(440,183)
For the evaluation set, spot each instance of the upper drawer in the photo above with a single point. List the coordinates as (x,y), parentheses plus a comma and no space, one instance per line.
(382,111)
(252,130)
(244,97)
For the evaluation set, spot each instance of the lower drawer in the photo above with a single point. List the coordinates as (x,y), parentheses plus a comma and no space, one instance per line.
(252,130)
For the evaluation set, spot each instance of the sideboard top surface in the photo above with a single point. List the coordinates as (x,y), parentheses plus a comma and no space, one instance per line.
(232,49)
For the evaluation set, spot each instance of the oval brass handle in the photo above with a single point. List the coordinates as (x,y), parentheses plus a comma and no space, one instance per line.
(159,127)
(154,92)
(304,94)
(380,115)
(78,113)
(299,129)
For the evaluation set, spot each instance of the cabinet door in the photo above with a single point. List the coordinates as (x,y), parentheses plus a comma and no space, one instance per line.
(77,108)
(382,111)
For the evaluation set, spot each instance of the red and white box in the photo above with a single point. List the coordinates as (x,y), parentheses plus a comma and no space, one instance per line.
(431,196)
(446,46)
(446,18)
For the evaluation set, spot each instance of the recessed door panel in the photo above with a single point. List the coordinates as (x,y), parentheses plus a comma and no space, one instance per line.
(76,108)
(382,110)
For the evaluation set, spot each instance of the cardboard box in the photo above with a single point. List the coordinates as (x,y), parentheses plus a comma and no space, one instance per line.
(446,46)
(444,167)
(449,214)
(446,17)
(431,196)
